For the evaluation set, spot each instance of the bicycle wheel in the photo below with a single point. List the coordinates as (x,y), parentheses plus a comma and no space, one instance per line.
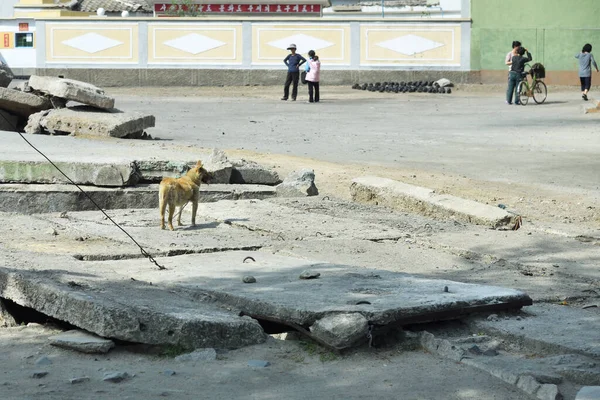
(540,92)
(522,90)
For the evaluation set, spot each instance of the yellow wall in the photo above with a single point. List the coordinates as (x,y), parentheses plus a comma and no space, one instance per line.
(410,44)
(92,43)
(330,41)
(198,44)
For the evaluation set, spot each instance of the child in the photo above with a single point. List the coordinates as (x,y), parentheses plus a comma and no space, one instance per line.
(516,74)
(293,62)
(586,60)
(313,69)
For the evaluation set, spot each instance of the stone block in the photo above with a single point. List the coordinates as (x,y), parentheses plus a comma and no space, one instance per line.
(528,384)
(82,341)
(86,121)
(70,89)
(109,175)
(341,330)
(220,166)
(298,183)
(21,103)
(399,195)
(251,172)
(549,392)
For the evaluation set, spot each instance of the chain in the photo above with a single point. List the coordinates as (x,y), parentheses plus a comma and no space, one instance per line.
(370,335)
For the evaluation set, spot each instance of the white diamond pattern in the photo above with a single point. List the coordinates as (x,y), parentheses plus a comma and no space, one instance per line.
(303,42)
(92,43)
(410,45)
(194,43)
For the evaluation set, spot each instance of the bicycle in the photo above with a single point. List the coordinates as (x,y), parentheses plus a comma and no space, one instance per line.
(537,89)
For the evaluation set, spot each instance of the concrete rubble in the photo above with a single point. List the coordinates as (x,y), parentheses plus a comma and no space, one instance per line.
(250,172)
(26,198)
(21,103)
(73,90)
(82,342)
(219,165)
(41,105)
(103,175)
(399,195)
(187,305)
(86,121)
(298,184)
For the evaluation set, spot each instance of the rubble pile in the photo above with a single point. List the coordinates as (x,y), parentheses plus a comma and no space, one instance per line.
(59,106)
(442,86)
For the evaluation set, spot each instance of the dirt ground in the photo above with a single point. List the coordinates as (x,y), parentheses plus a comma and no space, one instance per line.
(481,161)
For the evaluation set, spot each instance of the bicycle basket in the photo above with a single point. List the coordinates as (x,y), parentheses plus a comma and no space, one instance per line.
(538,71)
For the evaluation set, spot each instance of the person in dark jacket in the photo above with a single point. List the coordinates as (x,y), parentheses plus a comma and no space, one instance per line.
(293,62)
(517,68)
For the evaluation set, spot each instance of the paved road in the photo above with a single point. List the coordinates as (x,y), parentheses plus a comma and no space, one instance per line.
(466,133)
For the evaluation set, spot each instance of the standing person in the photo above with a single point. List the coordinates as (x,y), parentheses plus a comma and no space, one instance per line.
(293,62)
(313,69)
(586,60)
(517,68)
(508,60)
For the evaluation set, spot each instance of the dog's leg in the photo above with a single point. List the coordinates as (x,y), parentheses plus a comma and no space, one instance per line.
(194,207)
(171,212)
(179,215)
(162,206)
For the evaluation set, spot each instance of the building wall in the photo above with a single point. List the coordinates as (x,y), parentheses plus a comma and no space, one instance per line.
(244,51)
(553,30)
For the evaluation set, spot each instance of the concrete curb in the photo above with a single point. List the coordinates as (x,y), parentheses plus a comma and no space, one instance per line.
(424,201)
(32,199)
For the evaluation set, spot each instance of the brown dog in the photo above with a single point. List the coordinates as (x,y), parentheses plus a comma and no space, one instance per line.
(177,192)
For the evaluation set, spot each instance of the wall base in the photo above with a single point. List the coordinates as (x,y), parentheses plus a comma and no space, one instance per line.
(243,77)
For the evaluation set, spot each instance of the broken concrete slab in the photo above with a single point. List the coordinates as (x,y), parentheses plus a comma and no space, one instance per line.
(86,121)
(219,165)
(382,297)
(576,333)
(399,195)
(36,198)
(298,184)
(81,341)
(21,103)
(70,89)
(108,175)
(146,314)
(91,287)
(249,172)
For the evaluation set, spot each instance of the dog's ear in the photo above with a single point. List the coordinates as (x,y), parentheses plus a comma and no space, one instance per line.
(199,164)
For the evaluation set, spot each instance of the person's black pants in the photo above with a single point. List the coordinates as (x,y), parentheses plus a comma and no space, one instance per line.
(292,77)
(586,82)
(313,86)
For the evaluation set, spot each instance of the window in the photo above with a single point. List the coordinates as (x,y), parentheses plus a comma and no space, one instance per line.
(23,39)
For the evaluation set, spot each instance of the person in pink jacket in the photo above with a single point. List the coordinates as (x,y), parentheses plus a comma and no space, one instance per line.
(313,70)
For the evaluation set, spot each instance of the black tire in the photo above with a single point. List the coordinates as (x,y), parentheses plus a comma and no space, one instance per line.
(522,90)
(540,92)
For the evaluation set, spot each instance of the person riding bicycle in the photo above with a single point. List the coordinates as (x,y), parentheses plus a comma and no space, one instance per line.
(516,73)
